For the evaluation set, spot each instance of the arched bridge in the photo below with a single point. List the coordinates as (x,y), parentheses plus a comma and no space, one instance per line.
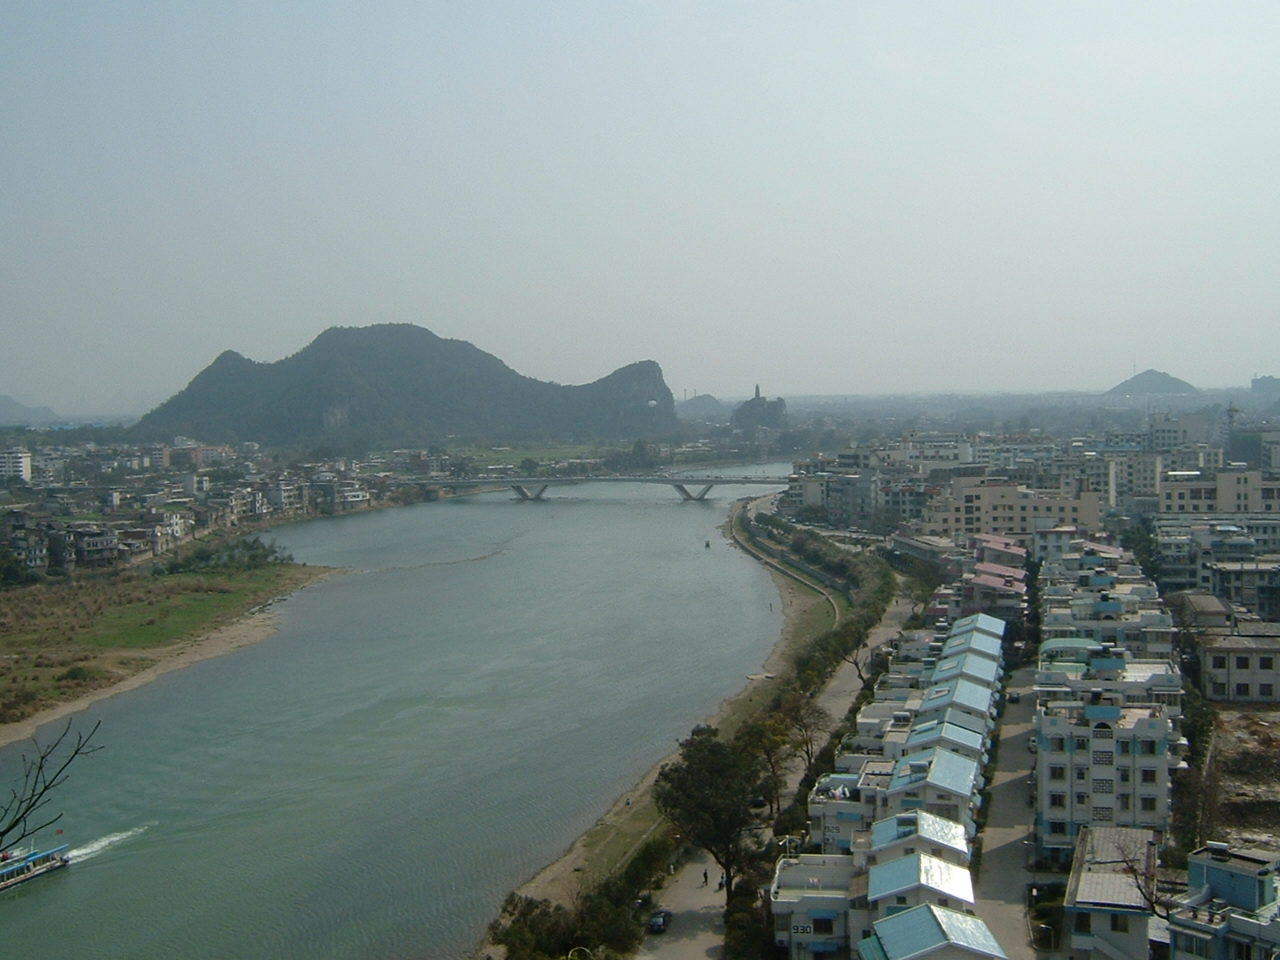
(533,488)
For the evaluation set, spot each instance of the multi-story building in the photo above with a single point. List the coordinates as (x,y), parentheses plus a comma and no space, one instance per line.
(1226,492)
(1232,907)
(1239,663)
(1103,764)
(995,505)
(1110,892)
(16,463)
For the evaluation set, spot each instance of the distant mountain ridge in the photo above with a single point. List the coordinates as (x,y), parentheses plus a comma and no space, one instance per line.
(401,385)
(1153,382)
(14,414)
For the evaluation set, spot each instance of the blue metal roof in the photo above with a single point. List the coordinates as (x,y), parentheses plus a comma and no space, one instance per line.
(919,870)
(943,769)
(925,928)
(922,824)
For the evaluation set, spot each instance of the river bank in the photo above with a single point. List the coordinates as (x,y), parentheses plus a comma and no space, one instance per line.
(633,816)
(146,665)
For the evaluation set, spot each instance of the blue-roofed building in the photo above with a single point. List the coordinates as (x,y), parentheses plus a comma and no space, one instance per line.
(980,622)
(918,832)
(898,885)
(936,781)
(969,666)
(928,734)
(930,931)
(963,695)
(974,641)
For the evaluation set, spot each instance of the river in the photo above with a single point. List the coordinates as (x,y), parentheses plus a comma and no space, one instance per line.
(421,736)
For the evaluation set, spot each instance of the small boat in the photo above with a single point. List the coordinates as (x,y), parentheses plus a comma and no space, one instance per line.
(15,870)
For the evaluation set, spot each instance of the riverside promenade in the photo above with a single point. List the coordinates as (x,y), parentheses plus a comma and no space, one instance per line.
(697,925)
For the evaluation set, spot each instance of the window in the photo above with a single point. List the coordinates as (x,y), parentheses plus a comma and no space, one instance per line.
(1242,690)
(1119,923)
(1082,774)
(900,900)
(1057,743)
(1242,663)
(1057,826)
(1266,663)
(1147,746)
(1082,743)
(1102,814)
(1123,746)
(1266,690)
(1124,775)
(1104,785)
(824,925)
(1148,775)
(1104,757)
(1147,804)
(1123,800)
(1082,798)
(1057,799)
(1084,922)
(1057,773)
(1219,689)
(1219,663)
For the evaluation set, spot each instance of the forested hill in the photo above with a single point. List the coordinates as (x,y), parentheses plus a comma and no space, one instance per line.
(401,385)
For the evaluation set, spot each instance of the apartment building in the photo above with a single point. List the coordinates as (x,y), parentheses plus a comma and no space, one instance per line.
(998,506)
(1232,907)
(1102,764)
(1227,492)
(1239,664)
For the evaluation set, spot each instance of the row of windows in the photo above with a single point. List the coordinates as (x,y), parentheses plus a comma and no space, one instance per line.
(1266,691)
(1124,801)
(1058,772)
(1145,747)
(1219,662)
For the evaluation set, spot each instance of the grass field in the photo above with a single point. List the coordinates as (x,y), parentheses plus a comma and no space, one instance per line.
(59,640)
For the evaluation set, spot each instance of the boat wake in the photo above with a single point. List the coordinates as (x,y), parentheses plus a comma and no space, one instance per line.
(95,847)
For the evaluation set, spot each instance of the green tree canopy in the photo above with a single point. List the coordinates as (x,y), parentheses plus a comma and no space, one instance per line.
(707,795)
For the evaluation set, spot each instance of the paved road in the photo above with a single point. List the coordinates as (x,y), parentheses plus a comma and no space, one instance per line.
(1001,884)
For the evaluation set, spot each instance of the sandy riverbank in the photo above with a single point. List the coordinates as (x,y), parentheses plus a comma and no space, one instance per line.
(253,627)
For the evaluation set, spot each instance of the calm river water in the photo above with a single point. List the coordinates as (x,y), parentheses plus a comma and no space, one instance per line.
(421,736)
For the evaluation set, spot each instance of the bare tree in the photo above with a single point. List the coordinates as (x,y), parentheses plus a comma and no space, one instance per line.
(23,813)
(1157,885)
(808,721)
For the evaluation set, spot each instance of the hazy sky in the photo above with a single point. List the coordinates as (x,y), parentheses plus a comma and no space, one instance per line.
(836,197)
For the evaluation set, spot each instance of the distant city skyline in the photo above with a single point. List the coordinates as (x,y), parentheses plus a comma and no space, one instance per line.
(823,198)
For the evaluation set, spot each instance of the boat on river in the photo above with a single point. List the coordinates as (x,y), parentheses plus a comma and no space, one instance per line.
(16,869)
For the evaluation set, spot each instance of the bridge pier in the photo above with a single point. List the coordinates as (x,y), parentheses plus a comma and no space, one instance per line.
(523,492)
(681,489)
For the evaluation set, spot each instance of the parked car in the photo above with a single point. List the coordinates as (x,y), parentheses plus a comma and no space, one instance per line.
(1015,696)
(659,921)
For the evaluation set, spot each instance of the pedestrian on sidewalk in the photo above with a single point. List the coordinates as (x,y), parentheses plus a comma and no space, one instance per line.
(705,879)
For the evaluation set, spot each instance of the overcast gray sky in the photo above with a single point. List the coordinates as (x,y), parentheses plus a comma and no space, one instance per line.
(844,197)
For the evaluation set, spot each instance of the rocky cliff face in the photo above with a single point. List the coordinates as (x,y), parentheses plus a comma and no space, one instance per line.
(401,385)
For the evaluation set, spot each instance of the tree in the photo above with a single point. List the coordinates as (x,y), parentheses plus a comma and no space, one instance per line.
(707,795)
(24,814)
(769,739)
(808,720)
